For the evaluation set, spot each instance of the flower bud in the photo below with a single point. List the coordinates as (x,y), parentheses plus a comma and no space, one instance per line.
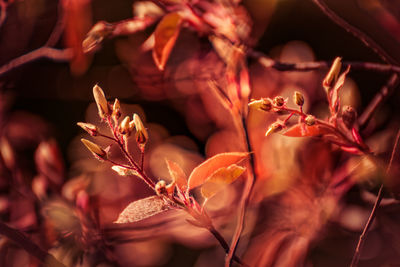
(310,120)
(124,127)
(160,188)
(298,98)
(88,127)
(116,112)
(279,101)
(94,148)
(141,133)
(332,75)
(101,101)
(274,128)
(349,116)
(263,104)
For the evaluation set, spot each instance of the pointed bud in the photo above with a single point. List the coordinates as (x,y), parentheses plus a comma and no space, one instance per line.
(298,98)
(160,188)
(333,74)
(101,101)
(141,133)
(124,171)
(349,116)
(279,101)
(88,127)
(116,112)
(124,127)
(310,120)
(274,128)
(94,148)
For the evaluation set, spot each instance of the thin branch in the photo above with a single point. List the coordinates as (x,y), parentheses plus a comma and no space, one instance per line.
(249,184)
(368,41)
(30,247)
(3,12)
(356,256)
(268,62)
(54,54)
(58,27)
(383,94)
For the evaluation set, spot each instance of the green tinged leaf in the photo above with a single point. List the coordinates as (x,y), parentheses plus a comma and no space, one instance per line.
(220,178)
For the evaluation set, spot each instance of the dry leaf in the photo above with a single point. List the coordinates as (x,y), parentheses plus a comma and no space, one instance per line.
(220,178)
(177,174)
(334,103)
(142,209)
(202,172)
(165,36)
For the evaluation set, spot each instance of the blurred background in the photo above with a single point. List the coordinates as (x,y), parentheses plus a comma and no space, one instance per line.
(43,100)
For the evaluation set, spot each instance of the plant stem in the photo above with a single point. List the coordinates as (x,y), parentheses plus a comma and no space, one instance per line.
(249,184)
(356,256)
(383,94)
(368,41)
(29,246)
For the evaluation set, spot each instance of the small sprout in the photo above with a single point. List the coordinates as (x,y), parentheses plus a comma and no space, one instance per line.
(116,112)
(349,116)
(141,133)
(124,127)
(310,120)
(262,104)
(161,188)
(94,148)
(90,128)
(333,74)
(101,101)
(274,128)
(298,98)
(131,125)
(123,171)
(279,101)
(171,187)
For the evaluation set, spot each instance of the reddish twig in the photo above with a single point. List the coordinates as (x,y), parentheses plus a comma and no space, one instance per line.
(356,256)
(368,41)
(383,94)
(268,62)
(29,246)
(249,184)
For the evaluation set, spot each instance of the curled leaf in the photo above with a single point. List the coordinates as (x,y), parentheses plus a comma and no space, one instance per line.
(142,209)
(334,97)
(165,36)
(220,178)
(177,174)
(202,172)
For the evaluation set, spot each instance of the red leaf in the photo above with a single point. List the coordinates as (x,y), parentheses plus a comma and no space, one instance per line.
(165,36)
(202,172)
(177,174)
(303,130)
(334,104)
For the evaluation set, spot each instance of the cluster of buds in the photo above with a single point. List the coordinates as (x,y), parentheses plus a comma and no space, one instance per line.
(278,105)
(121,130)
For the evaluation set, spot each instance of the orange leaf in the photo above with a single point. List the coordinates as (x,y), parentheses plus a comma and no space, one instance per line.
(202,172)
(335,91)
(220,178)
(177,174)
(303,130)
(142,209)
(165,36)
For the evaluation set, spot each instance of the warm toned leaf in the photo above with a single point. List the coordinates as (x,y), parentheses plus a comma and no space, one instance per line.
(165,36)
(142,209)
(220,178)
(303,130)
(177,174)
(202,172)
(334,103)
